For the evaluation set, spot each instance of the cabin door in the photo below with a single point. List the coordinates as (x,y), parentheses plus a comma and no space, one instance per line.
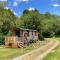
(18,33)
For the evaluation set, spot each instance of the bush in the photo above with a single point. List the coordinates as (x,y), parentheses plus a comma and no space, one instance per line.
(48,34)
(1,40)
(40,37)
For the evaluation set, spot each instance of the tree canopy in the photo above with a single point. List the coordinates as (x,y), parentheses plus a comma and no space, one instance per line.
(48,25)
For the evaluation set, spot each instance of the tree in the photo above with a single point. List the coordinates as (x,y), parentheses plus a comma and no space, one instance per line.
(7,19)
(31,19)
(49,24)
(3,4)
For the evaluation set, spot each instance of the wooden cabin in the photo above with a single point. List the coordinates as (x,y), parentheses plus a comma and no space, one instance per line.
(21,37)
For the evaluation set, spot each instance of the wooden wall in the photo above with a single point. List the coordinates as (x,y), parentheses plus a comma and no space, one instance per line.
(10,41)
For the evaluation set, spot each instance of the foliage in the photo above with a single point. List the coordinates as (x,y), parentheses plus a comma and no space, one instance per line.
(2,4)
(48,25)
(7,19)
(31,20)
(55,53)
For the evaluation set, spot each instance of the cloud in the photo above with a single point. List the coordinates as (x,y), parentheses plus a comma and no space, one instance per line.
(23,0)
(3,0)
(15,4)
(30,9)
(6,8)
(56,5)
(15,13)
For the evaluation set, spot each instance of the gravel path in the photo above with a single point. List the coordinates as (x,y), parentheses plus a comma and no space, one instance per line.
(39,53)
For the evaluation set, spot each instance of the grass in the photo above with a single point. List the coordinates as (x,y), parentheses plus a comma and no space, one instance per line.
(9,53)
(55,54)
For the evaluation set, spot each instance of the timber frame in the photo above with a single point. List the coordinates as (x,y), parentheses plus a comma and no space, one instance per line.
(21,37)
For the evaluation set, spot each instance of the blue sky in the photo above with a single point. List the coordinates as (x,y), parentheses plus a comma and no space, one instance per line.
(18,6)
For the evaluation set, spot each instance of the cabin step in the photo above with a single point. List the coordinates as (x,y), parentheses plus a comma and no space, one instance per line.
(20,44)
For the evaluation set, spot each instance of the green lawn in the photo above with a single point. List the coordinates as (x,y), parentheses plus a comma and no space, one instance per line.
(9,53)
(55,54)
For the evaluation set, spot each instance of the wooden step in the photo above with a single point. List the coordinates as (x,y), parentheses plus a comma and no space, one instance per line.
(20,44)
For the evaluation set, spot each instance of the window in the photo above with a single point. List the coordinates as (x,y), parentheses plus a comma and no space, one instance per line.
(35,33)
(27,33)
(18,33)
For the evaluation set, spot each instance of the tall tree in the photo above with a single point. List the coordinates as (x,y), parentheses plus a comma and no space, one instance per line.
(31,19)
(7,19)
(3,4)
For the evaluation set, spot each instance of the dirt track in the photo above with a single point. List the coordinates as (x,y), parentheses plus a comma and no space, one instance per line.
(39,53)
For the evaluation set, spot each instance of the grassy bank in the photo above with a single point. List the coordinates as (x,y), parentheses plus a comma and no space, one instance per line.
(55,54)
(9,53)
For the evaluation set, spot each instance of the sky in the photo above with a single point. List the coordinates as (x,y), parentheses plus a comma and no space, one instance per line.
(18,6)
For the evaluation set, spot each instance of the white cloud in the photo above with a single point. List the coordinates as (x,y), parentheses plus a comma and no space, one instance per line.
(6,8)
(3,0)
(56,5)
(30,9)
(15,4)
(22,0)
(25,0)
(15,13)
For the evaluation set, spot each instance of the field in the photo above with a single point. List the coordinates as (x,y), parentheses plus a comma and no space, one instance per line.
(55,54)
(9,53)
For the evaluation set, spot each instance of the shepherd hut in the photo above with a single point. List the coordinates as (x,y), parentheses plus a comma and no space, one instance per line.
(21,37)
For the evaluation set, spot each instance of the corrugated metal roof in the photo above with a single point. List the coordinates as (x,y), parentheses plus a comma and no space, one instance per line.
(27,29)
